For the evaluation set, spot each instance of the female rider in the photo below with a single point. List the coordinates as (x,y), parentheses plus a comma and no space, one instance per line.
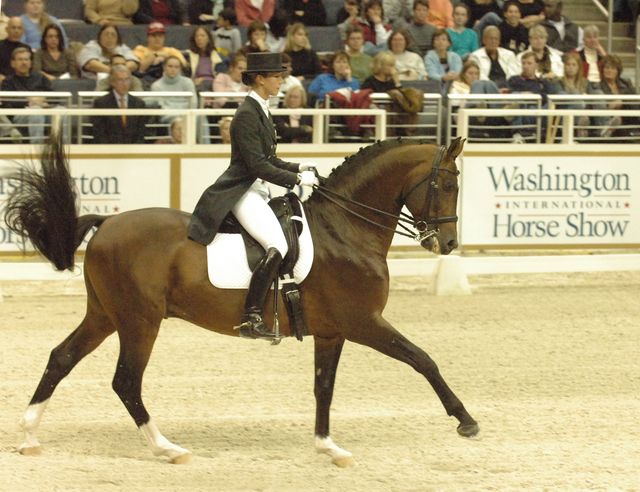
(241,189)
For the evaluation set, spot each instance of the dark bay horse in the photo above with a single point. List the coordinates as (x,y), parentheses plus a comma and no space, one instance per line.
(140,268)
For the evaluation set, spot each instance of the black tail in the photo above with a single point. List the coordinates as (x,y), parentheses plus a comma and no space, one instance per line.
(42,206)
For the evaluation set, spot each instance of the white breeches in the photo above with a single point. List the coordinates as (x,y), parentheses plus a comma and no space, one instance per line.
(255,215)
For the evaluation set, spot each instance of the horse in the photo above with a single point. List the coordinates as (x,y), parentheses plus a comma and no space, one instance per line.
(140,267)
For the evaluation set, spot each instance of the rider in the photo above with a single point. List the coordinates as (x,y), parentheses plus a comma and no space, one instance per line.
(241,189)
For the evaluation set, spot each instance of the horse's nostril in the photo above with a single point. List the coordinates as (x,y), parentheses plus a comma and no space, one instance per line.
(453,244)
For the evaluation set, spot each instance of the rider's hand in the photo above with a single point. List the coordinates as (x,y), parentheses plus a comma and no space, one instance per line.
(306,166)
(308,178)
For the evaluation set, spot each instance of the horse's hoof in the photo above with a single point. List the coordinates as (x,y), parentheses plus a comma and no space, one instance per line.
(181,459)
(468,430)
(30,450)
(344,462)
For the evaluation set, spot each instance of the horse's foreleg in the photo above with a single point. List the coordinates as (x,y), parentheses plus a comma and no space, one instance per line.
(82,341)
(380,335)
(136,343)
(327,356)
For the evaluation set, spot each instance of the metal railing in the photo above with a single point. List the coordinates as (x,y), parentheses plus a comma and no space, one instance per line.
(498,127)
(598,126)
(191,117)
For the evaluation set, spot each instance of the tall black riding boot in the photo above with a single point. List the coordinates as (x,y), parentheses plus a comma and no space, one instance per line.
(252,325)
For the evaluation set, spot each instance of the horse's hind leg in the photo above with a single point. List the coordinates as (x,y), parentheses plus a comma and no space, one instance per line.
(327,356)
(83,340)
(380,335)
(136,343)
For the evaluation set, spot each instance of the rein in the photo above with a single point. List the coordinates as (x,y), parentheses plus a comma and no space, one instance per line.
(421,225)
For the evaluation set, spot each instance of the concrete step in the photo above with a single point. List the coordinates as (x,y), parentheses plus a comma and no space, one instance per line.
(583,13)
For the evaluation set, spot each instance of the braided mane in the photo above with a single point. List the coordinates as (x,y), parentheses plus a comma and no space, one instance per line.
(353,165)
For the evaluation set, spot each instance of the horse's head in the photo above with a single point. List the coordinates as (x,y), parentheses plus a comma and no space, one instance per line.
(431,195)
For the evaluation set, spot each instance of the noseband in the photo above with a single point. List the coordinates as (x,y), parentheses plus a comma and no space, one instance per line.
(424,225)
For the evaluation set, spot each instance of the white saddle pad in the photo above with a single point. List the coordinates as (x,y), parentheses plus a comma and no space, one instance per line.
(227,260)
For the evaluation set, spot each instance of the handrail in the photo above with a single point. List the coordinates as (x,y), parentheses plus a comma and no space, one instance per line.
(594,97)
(568,117)
(638,54)
(191,116)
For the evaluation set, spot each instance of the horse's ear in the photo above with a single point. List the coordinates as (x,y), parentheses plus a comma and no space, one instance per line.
(455,148)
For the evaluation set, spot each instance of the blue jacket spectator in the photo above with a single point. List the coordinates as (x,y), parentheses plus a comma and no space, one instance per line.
(34,20)
(339,78)
(441,63)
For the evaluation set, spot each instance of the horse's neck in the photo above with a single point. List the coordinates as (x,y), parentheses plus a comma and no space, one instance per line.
(379,189)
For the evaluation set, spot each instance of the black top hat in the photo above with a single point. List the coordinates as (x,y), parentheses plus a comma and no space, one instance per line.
(264,63)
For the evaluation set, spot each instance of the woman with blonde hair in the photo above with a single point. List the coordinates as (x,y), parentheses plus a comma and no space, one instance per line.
(385,75)
(305,63)
(294,127)
(549,59)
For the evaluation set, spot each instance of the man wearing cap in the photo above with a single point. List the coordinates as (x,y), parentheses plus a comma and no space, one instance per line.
(153,55)
(241,189)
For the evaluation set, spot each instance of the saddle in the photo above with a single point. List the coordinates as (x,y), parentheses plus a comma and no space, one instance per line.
(288,211)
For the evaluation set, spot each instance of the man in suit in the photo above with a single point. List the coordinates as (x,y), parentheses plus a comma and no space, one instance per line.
(123,129)
(241,190)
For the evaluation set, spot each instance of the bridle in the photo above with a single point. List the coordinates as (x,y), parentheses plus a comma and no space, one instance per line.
(424,226)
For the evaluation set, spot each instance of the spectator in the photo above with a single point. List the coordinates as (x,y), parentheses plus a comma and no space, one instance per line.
(123,129)
(104,83)
(592,54)
(288,80)
(463,40)
(167,12)
(613,83)
(172,80)
(153,55)
(410,65)
(360,62)
(15,29)
(549,60)
(338,77)
(53,59)
(175,132)
(528,82)
(249,11)
(563,34)
(532,12)
(442,64)
(203,58)
(482,13)
(225,129)
(227,37)
(256,38)
(24,80)
(294,127)
(513,35)
(440,13)
(305,63)
(376,31)
(397,12)
(385,76)
(94,58)
(574,82)
(496,64)
(3,26)
(118,12)
(348,13)
(469,74)
(309,12)
(201,12)
(230,82)
(277,31)
(34,20)
(419,29)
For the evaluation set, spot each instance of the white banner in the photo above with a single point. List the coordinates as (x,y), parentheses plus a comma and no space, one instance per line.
(549,200)
(104,186)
